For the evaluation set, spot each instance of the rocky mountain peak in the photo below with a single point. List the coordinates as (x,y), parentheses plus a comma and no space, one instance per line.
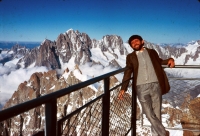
(18,49)
(113,42)
(71,45)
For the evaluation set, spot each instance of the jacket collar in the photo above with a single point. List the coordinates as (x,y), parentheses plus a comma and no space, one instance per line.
(139,51)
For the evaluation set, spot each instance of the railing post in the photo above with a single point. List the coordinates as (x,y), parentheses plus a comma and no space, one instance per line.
(59,128)
(134,112)
(106,108)
(51,118)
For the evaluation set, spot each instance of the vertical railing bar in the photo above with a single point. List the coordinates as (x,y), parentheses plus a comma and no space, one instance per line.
(59,128)
(51,117)
(106,108)
(134,112)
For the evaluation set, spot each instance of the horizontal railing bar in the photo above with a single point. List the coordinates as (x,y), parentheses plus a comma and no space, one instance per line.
(180,78)
(79,109)
(183,66)
(25,106)
(188,129)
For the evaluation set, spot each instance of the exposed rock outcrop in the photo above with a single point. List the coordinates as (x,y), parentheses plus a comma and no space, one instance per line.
(191,118)
(187,116)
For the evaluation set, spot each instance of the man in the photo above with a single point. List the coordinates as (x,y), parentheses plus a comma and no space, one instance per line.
(149,81)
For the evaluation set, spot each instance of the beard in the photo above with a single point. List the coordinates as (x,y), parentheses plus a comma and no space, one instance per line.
(139,48)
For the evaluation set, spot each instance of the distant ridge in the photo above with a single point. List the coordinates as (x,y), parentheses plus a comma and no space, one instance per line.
(10,44)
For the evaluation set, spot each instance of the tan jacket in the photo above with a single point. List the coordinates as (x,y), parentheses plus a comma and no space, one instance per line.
(132,64)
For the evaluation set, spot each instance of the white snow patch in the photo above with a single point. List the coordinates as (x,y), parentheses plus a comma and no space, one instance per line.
(167,105)
(98,56)
(32,65)
(69,108)
(176,132)
(52,87)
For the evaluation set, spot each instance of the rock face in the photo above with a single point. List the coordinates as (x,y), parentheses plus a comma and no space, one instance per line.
(191,119)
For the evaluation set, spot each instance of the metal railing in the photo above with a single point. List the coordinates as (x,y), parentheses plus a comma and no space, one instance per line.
(103,115)
(95,117)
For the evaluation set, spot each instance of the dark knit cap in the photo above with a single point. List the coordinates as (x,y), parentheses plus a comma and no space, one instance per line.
(134,37)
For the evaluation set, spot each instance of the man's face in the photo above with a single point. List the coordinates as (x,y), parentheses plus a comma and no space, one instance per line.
(136,44)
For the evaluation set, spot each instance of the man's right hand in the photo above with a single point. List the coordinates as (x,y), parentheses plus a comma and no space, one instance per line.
(120,95)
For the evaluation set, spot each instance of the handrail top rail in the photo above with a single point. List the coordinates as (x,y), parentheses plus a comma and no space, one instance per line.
(183,66)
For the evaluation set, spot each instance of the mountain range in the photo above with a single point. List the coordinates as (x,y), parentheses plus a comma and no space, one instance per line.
(75,47)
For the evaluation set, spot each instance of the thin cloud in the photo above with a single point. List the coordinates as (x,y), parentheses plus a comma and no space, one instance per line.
(10,82)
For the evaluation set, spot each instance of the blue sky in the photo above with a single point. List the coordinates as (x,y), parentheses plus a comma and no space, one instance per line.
(157,21)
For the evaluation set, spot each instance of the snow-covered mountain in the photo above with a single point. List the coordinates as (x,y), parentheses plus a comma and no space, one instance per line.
(15,53)
(72,58)
(77,48)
